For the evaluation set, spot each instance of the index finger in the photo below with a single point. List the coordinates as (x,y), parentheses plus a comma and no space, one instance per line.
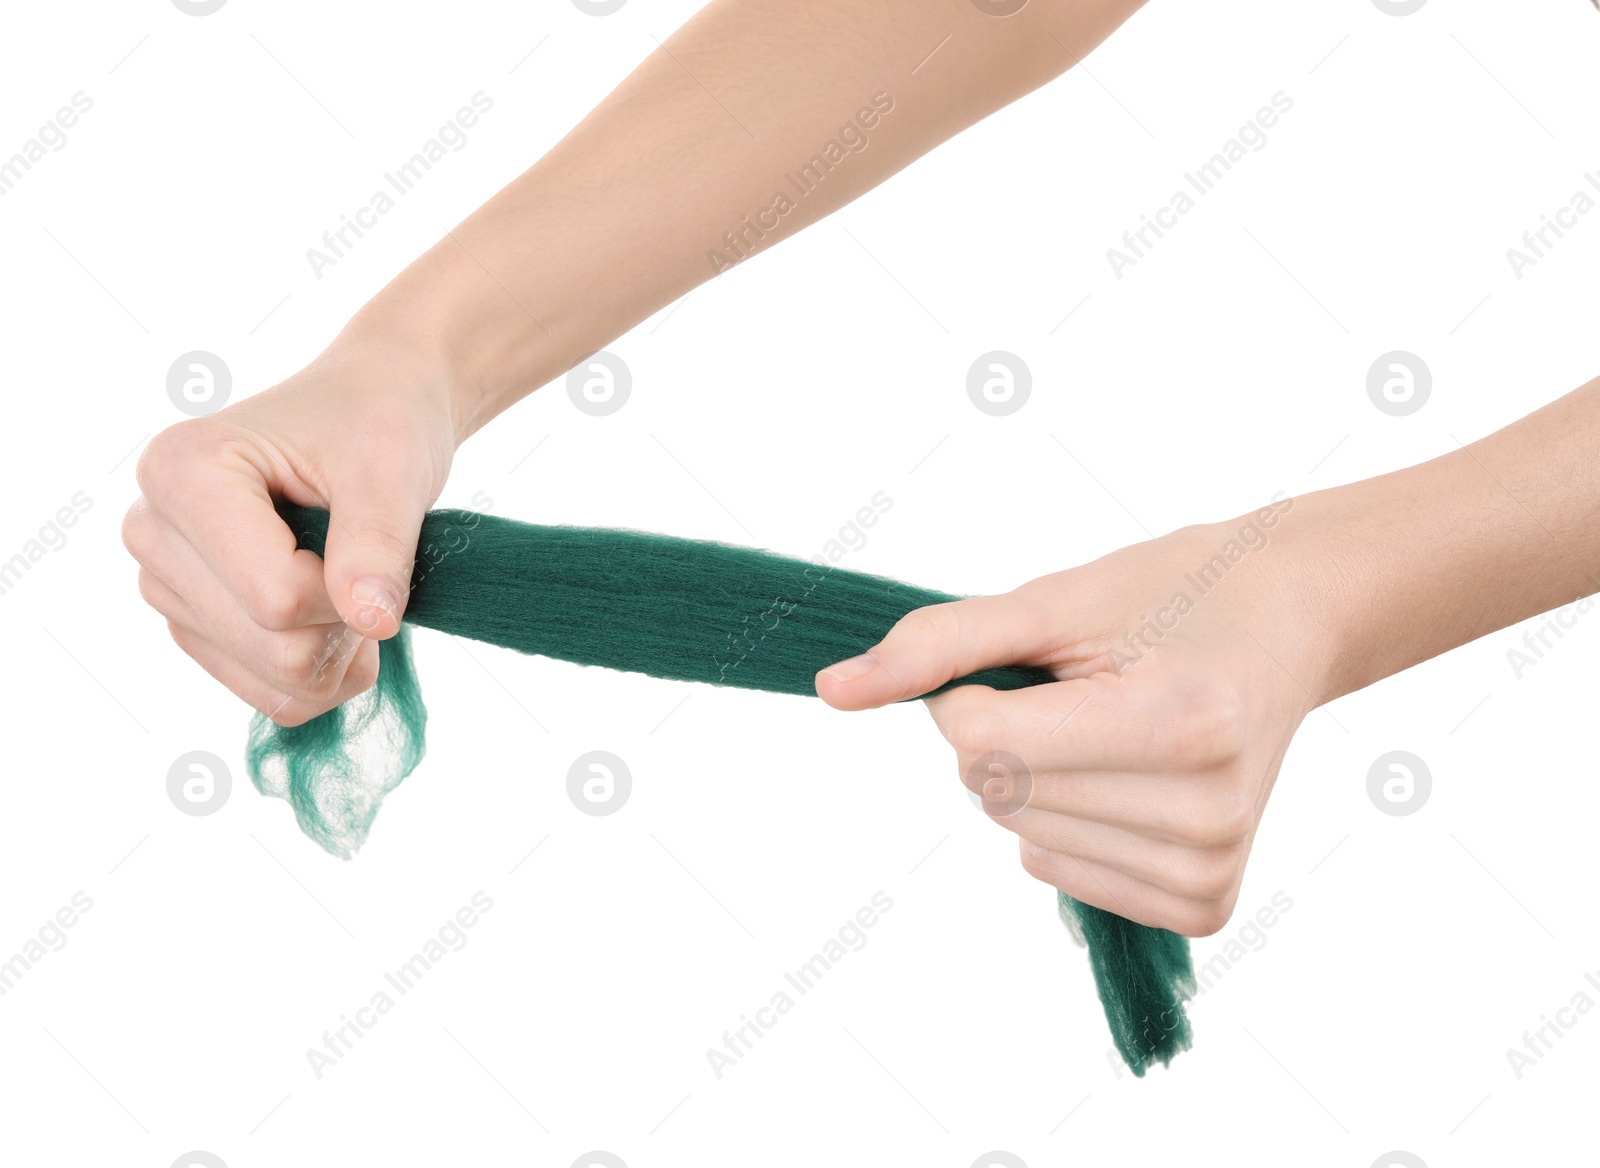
(1104,722)
(214,493)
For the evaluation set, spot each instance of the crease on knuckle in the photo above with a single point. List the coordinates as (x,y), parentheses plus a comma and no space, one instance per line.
(329,660)
(147,587)
(1222,819)
(976,728)
(936,622)
(161,466)
(272,604)
(1208,729)
(1203,877)
(373,535)
(290,714)
(1038,862)
(1207,918)
(298,660)
(362,674)
(136,531)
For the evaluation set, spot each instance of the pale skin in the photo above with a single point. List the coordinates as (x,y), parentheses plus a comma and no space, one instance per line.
(1149,761)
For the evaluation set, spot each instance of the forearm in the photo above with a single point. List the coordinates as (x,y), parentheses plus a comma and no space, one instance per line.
(708,149)
(1408,565)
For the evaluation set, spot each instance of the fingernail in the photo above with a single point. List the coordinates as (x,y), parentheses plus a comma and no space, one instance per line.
(376,599)
(852,667)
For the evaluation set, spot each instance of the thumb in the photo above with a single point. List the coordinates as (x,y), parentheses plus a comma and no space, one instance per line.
(930,646)
(372,542)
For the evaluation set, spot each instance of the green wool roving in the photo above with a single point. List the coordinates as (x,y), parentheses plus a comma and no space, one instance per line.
(692,610)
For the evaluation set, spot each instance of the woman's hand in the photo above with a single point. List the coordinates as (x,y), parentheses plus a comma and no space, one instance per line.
(534,281)
(1137,780)
(359,432)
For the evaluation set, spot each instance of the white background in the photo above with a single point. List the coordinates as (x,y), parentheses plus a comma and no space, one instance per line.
(1378,1013)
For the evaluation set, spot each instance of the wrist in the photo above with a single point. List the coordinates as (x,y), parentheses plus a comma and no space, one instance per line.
(1382,583)
(1289,607)
(1329,592)
(467,341)
(383,370)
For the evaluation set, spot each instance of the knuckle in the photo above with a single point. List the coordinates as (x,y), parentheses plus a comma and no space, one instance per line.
(363,672)
(376,534)
(162,464)
(154,468)
(1224,818)
(332,658)
(976,729)
(1038,861)
(1204,877)
(936,622)
(272,605)
(1207,918)
(290,714)
(136,530)
(325,680)
(299,659)
(1208,729)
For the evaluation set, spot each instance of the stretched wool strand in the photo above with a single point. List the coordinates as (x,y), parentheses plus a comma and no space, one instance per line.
(690,610)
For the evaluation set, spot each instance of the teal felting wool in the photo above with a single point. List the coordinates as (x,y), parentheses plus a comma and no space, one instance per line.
(691,610)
